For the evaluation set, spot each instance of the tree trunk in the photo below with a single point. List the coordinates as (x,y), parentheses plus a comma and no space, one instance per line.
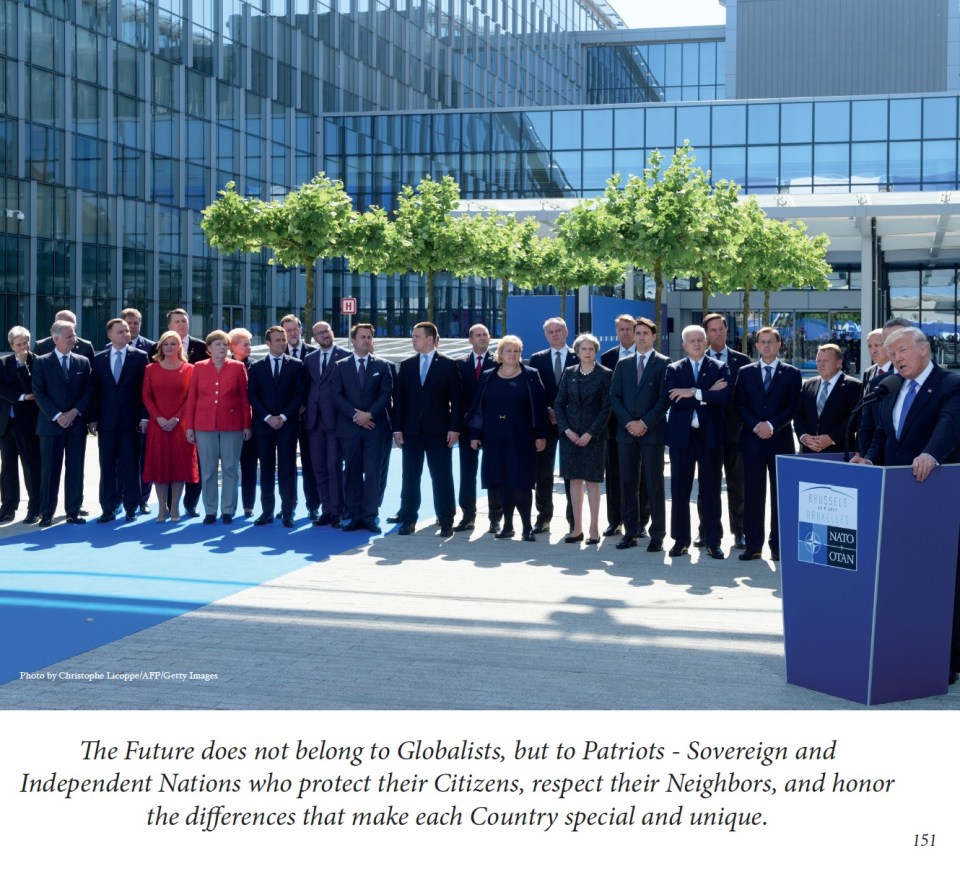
(705,300)
(504,288)
(430,275)
(766,308)
(563,303)
(658,299)
(310,272)
(746,317)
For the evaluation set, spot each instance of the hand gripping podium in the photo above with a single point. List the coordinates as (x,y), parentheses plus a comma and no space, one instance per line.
(869,563)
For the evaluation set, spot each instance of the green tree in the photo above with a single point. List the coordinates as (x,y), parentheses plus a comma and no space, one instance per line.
(722,236)
(794,259)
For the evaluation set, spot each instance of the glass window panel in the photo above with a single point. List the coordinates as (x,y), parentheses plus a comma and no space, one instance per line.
(446,132)
(762,166)
(832,122)
(940,162)
(629,162)
(597,128)
(904,119)
(729,163)
(597,169)
(660,128)
(869,120)
(905,293)
(831,163)
(796,167)
(904,163)
(691,64)
(764,123)
(566,171)
(796,122)
(693,124)
(628,127)
(536,130)
(729,125)
(567,128)
(673,64)
(939,117)
(476,132)
(868,166)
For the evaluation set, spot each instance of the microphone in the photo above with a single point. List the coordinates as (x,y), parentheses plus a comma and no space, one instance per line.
(883,388)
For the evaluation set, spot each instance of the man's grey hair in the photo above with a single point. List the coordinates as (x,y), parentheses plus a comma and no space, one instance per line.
(915,334)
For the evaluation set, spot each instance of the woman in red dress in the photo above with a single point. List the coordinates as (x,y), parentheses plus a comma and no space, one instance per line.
(171,460)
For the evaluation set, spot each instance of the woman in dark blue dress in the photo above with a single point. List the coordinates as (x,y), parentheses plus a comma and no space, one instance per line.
(509,419)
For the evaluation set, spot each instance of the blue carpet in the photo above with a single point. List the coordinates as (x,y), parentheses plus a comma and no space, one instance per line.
(68,589)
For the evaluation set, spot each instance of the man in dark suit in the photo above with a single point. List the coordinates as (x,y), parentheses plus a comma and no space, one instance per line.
(697,389)
(881,368)
(550,364)
(320,421)
(297,348)
(427,419)
(766,399)
(277,388)
(625,347)
(716,327)
(82,347)
(639,406)
(133,319)
(119,419)
(18,429)
(472,367)
(63,390)
(362,385)
(919,426)
(826,403)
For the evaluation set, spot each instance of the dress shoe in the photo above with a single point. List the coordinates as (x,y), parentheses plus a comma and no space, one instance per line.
(323,519)
(7,516)
(541,528)
(740,542)
(143,509)
(336,520)
(613,530)
(627,541)
(46,521)
(83,512)
(698,543)
(655,546)
(227,518)
(394,518)
(264,519)
(573,538)
(314,515)
(191,512)
(130,517)
(465,525)
(407,529)
(373,528)
(593,541)
(774,555)
(677,550)
(353,525)
(106,517)
(75,520)
(715,552)
(747,555)
(209,519)
(530,537)
(506,534)
(642,533)
(287,520)
(445,530)
(31,519)
(247,513)
(494,528)
(952,678)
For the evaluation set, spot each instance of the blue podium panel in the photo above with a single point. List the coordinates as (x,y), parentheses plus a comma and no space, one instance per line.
(868,567)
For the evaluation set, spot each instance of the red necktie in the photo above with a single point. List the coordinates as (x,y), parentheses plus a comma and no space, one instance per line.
(479,367)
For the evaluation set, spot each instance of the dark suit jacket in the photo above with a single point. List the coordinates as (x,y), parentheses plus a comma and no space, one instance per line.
(932,426)
(302,352)
(610,359)
(320,412)
(836,412)
(56,394)
(731,419)
(542,362)
(647,402)
(274,398)
(431,409)
(709,412)
(118,406)
(469,382)
(872,377)
(81,347)
(374,397)
(777,407)
(141,343)
(16,381)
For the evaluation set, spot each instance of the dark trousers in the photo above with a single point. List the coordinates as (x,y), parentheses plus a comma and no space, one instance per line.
(191,491)
(757,469)
(519,499)
(614,501)
(385,467)
(439,458)
(277,455)
(733,473)
(248,474)
(62,453)
(9,472)
(642,490)
(546,462)
(469,464)
(328,469)
(311,494)
(119,470)
(362,471)
(707,463)
(26,447)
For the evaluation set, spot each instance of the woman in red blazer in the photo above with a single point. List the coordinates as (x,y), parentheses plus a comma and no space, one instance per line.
(217,417)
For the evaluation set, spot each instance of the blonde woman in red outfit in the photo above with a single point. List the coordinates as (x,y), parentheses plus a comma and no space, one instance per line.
(218,421)
(170,460)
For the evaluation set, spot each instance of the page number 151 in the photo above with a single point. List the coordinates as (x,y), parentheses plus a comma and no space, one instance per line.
(924,840)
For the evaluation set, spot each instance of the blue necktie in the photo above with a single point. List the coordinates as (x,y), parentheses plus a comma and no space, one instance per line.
(696,372)
(424,364)
(65,361)
(907,403)
(362,372)
(767,377)
(117,365)
(822,398)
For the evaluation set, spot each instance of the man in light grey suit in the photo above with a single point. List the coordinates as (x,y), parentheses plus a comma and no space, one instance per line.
(320,419)
(640,404)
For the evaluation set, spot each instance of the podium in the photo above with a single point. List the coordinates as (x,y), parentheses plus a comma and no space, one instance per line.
(869,563)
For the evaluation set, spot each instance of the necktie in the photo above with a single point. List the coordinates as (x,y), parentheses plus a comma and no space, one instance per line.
(424,364)
(323,363)
(640,360)
(696,372)
(718,356)
(117,365)
(276,369)
(479,368)
(557,368)
(767,377)
(822,397)
(65,361)
(907,403)
(362,372)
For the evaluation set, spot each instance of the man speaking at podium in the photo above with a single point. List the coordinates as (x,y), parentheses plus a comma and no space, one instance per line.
(919,426)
